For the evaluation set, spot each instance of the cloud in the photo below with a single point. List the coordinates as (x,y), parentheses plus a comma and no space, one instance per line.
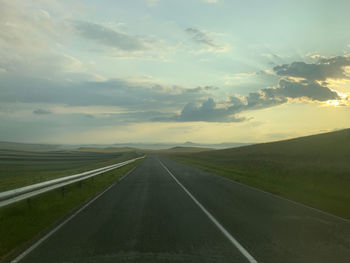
(112,38)
(315,56)
(151,101)
(41,112)
(201,89)
(128,95)
(145,100)
(259,100)
(28,37)
(208,112)
(322,70)
(211,1)
(303,89)
(299,81)
(264,98)
(204,39)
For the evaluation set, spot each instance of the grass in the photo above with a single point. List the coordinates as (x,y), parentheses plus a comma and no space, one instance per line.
(313,170)
(20,168)
(22,221)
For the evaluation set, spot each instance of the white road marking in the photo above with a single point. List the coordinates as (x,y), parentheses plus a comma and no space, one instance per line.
(41,240)
(245,253)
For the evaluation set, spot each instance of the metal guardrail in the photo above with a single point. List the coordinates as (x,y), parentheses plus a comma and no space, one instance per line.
(15,195)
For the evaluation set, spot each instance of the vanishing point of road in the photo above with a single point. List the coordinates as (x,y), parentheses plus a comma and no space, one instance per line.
(164,211)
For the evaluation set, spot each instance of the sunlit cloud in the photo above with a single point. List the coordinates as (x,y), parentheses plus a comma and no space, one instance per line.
(333,103)
(343,100)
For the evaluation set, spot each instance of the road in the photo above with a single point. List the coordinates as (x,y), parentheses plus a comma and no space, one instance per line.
(164,211)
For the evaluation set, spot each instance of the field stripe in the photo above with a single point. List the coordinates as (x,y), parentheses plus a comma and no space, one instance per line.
(245,253)
(41,240)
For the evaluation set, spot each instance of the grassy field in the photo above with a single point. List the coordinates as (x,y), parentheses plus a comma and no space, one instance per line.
(22,221)
(313,170)
(17,146)
(20,168)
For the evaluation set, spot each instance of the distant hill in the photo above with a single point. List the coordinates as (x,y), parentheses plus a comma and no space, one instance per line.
(111,147)
(177,149)
(190,149)
(164,146)
(107,149)
(181,149)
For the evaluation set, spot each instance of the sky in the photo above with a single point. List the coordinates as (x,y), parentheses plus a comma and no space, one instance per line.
(206,71)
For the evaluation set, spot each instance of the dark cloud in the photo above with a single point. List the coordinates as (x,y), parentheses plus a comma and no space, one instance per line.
(142,101)
(323,69)
(307,88)
(201,37)
(207,111)
(112,38)
(259,100)
(204,39)
(113,92)
(41,112)
(201,89)
(302,89)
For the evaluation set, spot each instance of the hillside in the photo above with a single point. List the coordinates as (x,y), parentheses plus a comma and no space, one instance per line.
(108,149)
(332,143)
(314,170)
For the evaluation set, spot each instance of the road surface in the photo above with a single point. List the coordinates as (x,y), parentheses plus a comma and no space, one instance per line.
(164,211)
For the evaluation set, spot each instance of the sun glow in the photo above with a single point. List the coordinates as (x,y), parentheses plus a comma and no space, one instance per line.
(333,103)
(342,101)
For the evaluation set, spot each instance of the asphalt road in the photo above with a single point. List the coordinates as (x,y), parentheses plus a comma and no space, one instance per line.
(168,214)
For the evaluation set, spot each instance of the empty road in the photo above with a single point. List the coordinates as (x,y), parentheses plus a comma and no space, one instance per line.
(164,211)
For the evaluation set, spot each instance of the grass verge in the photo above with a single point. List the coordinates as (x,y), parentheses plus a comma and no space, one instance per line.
(20,168)
(327,193)
(23,221)
(313,170)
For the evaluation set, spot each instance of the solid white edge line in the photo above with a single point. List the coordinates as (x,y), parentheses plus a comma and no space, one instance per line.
(245,253)
(41,240)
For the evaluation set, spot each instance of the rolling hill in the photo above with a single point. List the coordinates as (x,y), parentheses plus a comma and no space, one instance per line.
(314,170)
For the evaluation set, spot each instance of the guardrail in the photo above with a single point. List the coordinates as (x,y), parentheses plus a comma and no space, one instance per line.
(15,195)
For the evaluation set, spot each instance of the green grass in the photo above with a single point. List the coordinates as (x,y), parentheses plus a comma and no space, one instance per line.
(20,168)
(313,170)
(22,221)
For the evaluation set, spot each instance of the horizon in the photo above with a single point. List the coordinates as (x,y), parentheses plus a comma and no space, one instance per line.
(156,71)
(175,144)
